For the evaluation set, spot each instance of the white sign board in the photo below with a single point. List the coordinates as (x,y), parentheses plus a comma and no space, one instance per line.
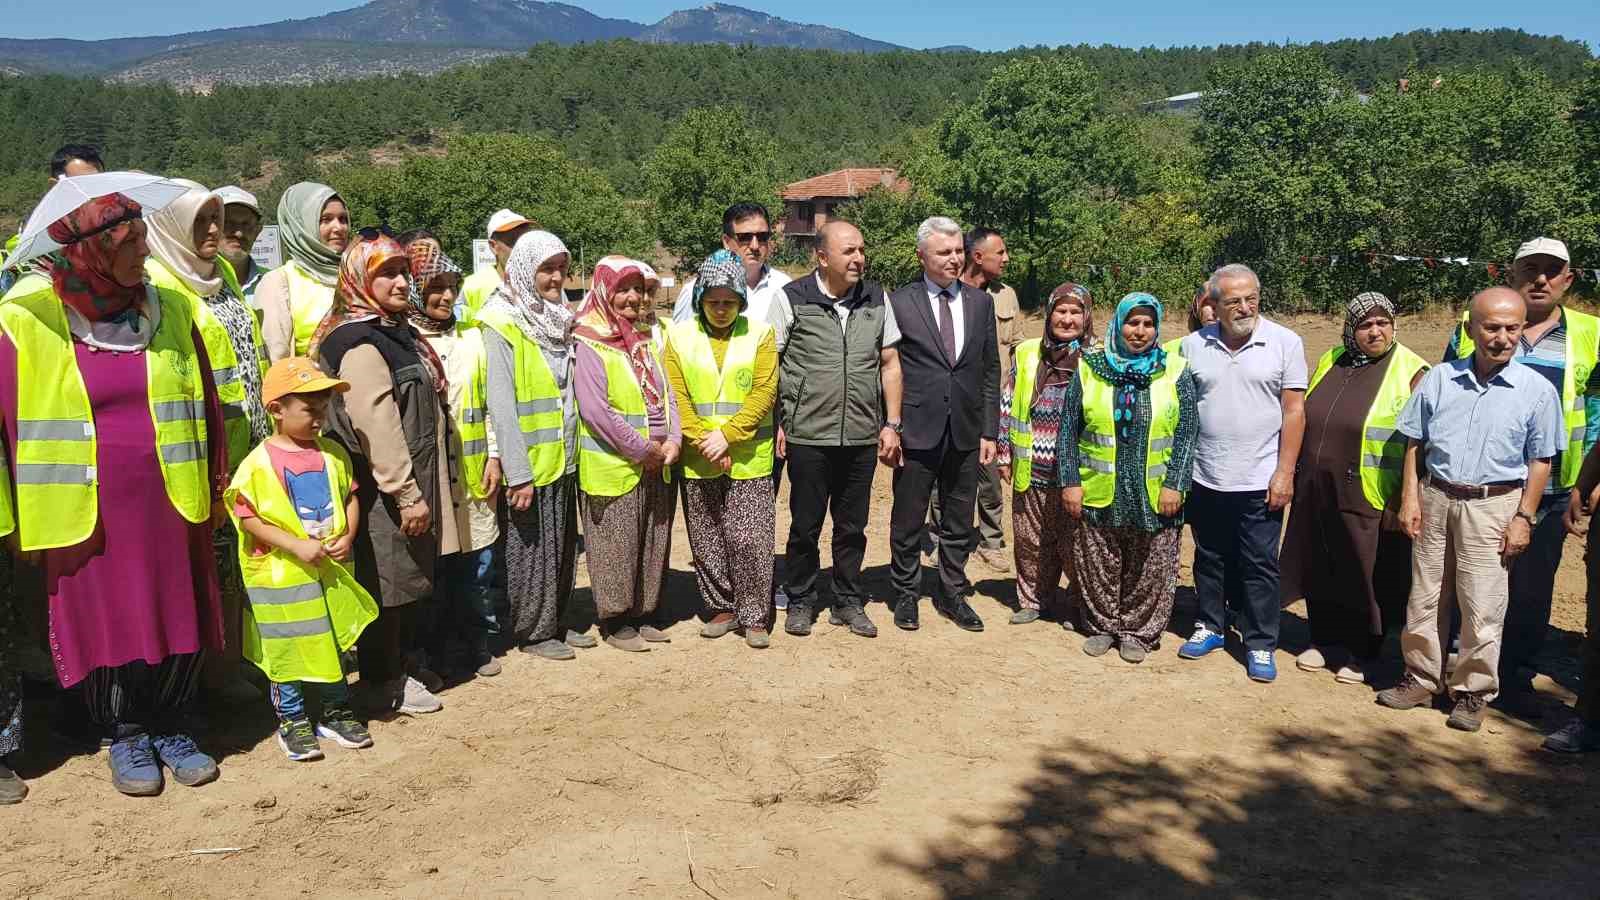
(265,251)
(482,256)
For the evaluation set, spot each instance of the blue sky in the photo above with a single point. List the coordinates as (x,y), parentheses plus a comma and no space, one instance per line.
(988,25)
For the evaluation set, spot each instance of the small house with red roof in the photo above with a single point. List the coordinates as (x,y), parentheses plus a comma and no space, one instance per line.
(808,205)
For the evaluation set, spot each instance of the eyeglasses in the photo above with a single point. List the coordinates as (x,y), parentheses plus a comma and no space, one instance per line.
(373,232)
(745,237)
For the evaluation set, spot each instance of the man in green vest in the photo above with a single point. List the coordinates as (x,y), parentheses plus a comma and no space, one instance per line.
(1561,344)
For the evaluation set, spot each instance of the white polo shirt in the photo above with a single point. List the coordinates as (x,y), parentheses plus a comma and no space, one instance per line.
(1241,402)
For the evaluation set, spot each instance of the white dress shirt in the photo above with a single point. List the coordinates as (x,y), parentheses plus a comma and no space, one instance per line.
(957,310)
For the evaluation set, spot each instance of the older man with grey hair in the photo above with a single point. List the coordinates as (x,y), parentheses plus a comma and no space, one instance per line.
(950,370)
(1252,378)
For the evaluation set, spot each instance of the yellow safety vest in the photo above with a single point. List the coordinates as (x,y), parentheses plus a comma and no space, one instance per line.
(56,452)
(310,301)
(539,415)
(1026,367)
(8,514)
(1174,347)
(719,395)
(602,472)
(1583,344)
(476,289)
(299,618)
(219,350)
(471,414)
(1097,445)
(1383,449)
(31,283)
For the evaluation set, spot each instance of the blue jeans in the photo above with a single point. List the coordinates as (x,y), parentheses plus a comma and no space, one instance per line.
(1532,582)
(1236,546)
(289,697)
(467,592)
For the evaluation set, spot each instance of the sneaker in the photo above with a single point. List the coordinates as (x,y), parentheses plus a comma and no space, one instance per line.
(1576,736)
(1351,672)
(1312,660)
(720,624)
(340,725)
(416,699)
(1132,652)
(797,620)
(994,558)
(1260,666)
(298,740)
(1024,616)
(856,618)
(134,769)
(1098,644)
(1203,641)
(429,679)
(488,666)
(12,788)
(654,635)
(757,638)
(780,600)
(1468,714)
(189,766)
(1408,694)
(626,638)
(580,640)
(550,648)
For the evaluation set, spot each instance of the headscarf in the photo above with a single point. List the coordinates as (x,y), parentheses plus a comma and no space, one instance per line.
(171,239)
(89,237)
(598,322)
(721,269)
(428,261)
(1201,299)
(1129,371)
(299,221)
(547,323)
(354,302)
(1058,359)
(1362,306)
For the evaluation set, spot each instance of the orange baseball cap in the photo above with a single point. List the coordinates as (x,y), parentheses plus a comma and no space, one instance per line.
(297,375)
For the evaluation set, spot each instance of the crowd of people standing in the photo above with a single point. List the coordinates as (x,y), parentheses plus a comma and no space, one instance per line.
(366,462)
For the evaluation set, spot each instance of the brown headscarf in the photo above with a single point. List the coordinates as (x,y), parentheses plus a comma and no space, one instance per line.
(598,322)
(1058,359)
(90,237)
(1201,300)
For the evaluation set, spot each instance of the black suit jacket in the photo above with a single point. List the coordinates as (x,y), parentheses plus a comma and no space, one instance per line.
(962,394)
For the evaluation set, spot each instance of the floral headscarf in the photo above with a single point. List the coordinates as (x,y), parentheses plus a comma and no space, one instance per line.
(1361,307)
(428,261)
(299,229)
(599,323)
(1058,359)
(90,237)
(547,323)
(721,269)
(172,239)
(355,302)
(1130,372)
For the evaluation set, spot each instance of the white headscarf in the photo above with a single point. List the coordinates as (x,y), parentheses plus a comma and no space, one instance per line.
(171,237)
(547,323)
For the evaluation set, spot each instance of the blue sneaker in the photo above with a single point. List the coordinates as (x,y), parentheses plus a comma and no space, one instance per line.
(1203,641)
(134,770)
(1259,665)
(189,766)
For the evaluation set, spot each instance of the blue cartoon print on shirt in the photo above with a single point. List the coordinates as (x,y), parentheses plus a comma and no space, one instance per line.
(312,499)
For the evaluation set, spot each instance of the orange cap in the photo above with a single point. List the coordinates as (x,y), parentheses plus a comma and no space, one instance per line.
(297,375)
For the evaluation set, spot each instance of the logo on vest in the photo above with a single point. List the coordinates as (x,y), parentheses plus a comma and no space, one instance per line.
(744,379)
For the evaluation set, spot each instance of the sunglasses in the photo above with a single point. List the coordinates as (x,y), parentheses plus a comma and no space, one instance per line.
(745,237)
(373,232)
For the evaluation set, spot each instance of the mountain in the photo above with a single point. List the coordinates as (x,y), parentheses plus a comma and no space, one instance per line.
(721,23)
(498,24)
(294,62)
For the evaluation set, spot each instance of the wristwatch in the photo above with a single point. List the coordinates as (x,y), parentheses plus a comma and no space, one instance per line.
(1528,516)
(894,424)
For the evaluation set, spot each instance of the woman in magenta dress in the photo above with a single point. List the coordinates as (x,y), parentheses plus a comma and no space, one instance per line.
(134,605)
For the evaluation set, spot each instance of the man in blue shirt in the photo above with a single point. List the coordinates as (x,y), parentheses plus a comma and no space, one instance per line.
(1487,428)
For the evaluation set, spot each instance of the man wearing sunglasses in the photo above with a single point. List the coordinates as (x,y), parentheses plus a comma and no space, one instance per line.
(747,233)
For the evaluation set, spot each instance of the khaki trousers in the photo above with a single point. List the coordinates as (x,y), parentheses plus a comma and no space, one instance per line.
(1459,543)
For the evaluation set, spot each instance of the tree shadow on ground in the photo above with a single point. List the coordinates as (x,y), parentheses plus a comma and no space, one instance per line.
(1317,814)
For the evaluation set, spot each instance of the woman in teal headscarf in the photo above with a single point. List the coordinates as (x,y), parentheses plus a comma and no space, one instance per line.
(1126,454)
(313,230)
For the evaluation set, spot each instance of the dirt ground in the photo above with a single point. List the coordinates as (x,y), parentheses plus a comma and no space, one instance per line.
(935,764)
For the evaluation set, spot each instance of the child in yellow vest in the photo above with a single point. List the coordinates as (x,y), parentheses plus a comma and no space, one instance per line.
(295,507)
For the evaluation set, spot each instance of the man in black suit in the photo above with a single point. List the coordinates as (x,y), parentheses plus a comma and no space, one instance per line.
(950,372)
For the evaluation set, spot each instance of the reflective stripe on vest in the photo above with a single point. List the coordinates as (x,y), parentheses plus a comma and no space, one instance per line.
(309,303)
(1583,344)
(472,413)
(1026,368)
(719,394)
(540,418)
(1383,449)
(8,516)
(602,472)
(56,453)
(1097,445)
(299,617)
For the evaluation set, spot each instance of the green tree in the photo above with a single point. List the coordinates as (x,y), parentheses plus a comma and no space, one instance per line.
(888,221)
(711,159)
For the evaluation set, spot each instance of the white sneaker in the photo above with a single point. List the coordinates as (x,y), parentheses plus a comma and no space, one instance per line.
(417,700)
(1311,661)
(1350,673)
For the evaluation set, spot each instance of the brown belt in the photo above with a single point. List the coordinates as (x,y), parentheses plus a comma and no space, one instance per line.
(1474,491)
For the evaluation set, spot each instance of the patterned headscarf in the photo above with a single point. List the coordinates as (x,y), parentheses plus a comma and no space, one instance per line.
(428,261)
(598,322)
(355,302)
(172,239)
(721,269)
(1058,359)
(299,228)
(1130,372)
(548,323)
(90,237)
(1358,309)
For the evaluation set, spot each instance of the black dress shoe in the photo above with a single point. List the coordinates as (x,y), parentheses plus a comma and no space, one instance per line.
(961,614)
(856,618)
(797,620)
(905,614)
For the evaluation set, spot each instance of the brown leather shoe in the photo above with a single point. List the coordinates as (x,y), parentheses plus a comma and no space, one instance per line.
(1410,693)
(1468,714)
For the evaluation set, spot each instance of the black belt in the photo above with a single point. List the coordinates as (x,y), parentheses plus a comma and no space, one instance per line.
(1474,491)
